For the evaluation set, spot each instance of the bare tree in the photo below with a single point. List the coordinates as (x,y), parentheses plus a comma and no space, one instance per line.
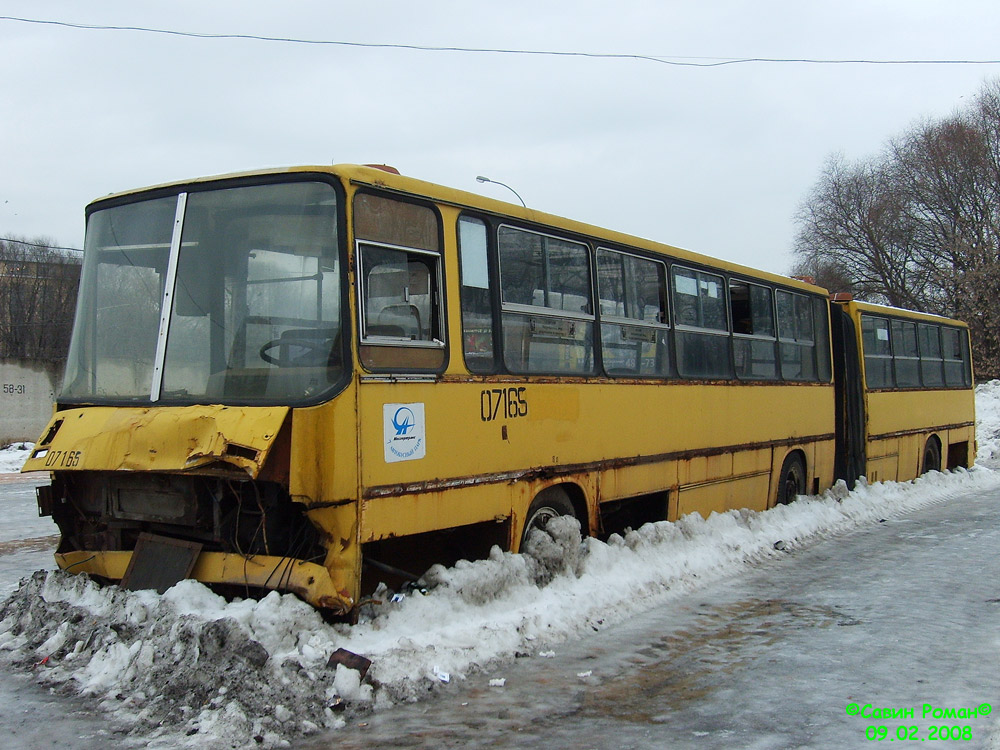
(855,227)
(38,286)
(919,225)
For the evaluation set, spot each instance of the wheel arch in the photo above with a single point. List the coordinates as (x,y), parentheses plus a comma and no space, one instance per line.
(933,442)
(778,472)
(577,497)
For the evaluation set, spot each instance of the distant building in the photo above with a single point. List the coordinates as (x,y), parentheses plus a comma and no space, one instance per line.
(38,287)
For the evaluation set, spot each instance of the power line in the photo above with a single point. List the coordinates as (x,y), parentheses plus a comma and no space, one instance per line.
(41,245)
(675,60)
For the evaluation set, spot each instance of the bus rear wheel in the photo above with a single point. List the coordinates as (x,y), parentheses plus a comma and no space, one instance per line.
(549,504)
(792,480)
(932,456)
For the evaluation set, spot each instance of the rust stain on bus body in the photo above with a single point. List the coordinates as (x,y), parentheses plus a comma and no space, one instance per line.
(554,471)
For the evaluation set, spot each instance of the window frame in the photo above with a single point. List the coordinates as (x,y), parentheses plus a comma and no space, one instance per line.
(438,319)
(809,343)
(900,360)
(492,290)
(923,361)
(520,307)
(522,310)
(324,395)
(682,329)
(663,324)
(772,337)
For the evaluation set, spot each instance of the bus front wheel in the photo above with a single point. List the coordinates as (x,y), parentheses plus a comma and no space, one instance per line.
(792,480)
(932,455)
(549,504)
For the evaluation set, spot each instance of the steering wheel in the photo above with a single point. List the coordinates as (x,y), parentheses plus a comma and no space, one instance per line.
(316,352)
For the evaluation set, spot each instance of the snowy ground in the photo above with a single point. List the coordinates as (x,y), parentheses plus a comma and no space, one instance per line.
(189,669)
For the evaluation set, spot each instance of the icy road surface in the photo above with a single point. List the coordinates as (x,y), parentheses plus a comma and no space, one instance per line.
(897,615)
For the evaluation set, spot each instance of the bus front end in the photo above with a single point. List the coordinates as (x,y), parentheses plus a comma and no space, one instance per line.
(195,434)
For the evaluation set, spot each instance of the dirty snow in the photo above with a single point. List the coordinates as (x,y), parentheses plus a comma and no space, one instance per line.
(188,669)
(13,456)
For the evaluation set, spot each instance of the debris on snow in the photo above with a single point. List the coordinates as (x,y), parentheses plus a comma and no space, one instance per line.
(350,660)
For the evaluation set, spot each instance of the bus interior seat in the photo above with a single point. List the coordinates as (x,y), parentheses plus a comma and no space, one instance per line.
(404,317)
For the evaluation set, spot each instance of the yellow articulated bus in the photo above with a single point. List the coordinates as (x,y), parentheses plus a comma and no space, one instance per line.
(913,410)
(303,379)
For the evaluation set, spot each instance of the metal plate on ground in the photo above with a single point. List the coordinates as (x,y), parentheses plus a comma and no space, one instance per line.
(159,562)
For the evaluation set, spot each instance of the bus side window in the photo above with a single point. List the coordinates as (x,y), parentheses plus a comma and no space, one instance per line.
(634,333)
(477,300)
(753,331)
(931,361)
(702,333)
(905,357)
(400,284)
(547,310)
(877,351)
(821,316)
(956,357)
(797,336)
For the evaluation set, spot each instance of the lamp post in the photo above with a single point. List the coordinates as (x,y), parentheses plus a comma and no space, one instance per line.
(480,178)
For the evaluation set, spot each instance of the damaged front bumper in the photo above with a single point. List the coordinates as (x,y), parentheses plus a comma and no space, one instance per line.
(309,581)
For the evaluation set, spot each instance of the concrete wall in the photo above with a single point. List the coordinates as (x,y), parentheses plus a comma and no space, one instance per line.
(27,390)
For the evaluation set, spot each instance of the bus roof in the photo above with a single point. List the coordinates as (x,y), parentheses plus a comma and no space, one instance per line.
(382,178)
(899,312)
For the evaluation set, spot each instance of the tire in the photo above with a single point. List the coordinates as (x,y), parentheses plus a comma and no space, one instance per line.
(932,456)
(549,504)
(792,480)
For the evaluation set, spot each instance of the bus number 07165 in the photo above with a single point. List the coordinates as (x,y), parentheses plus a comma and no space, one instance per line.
(502,403)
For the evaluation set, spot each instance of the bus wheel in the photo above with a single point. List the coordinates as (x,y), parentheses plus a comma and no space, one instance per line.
(549,503)
(932,455)
(792,480)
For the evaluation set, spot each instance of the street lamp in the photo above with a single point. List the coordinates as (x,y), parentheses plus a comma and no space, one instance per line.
(480,178)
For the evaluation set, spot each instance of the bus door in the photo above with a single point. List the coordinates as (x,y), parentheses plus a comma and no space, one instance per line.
(850,462)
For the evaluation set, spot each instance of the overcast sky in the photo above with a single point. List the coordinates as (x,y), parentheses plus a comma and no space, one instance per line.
(713,159)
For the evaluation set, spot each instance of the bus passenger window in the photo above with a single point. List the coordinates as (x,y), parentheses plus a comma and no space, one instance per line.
(753,329)
(477,300)
(547,313)
(399,274)
(400,291)
(956,357)
(796,336)
(905,357)
(634,332)
(877,351)
(701,337)
(821,316)
(931,361)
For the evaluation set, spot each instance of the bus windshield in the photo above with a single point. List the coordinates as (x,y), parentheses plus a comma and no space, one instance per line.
(216,296)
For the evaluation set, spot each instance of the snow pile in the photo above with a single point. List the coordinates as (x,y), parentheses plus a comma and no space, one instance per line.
(190,669)
(13,456)
(988,423)
(187,659)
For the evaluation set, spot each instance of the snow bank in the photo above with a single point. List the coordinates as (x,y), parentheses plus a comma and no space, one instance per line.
(12,457)
(189,669)
(988,423)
